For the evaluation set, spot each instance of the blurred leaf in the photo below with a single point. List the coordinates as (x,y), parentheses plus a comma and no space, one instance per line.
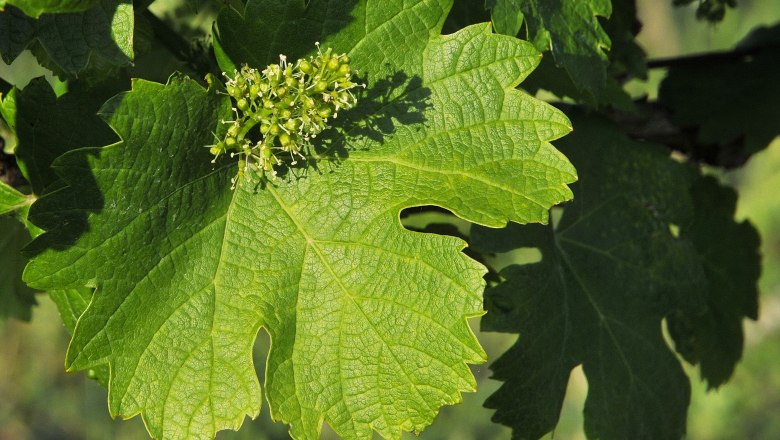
(612,269)
(73,43)
(732,104)
(711,10)
(35,8)
(16,299)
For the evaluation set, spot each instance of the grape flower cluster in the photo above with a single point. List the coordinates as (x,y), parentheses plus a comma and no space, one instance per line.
(289,104)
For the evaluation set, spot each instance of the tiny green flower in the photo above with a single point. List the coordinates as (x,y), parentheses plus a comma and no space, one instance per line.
(290,104)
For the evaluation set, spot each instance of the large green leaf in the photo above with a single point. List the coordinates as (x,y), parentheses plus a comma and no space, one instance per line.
(34,8)
(367,318)
(630,251)
(71,44)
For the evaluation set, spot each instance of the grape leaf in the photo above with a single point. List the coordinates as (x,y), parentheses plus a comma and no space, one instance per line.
(366,318)
(611,270)
(34,8)
(47,126)
(16,299)
(72,43)
(710,97)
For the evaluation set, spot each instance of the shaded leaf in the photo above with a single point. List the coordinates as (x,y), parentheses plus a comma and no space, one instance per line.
(626,57)
(73,43)
(729,255)
(713,99)
(571,31)
(612,269)
(465,13)
(16,299)
(47,126)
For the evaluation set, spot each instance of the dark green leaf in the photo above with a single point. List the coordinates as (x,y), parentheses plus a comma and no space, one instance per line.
(47,126)
(626,57)
(571,31)
(729,254)
(465,13)
(16,299)
(732,103)
(72,43)
(255,37)
(621,259)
